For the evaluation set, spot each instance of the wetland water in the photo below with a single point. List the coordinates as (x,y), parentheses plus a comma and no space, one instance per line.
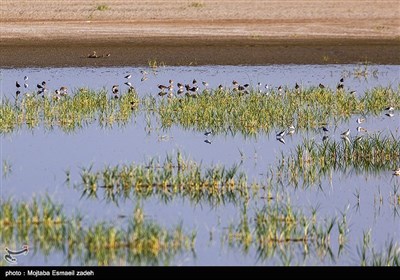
(358,200)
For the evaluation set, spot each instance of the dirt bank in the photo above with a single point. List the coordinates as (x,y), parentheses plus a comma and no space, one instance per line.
(63,33)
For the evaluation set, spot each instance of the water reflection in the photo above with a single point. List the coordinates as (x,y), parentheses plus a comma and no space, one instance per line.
(363,186)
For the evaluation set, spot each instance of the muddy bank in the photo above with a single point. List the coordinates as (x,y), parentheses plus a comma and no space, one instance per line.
(185,32)
(199,51)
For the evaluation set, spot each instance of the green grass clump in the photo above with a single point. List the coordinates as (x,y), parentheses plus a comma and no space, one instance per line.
(222,111)
(42,225)
(197,5)
(68,112)
(154,64)
(226,110)
(172,177)
(102,8)
(278,229)
(390,256)
(310,160)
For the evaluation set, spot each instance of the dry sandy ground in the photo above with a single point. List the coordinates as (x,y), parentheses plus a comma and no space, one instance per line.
(63,32)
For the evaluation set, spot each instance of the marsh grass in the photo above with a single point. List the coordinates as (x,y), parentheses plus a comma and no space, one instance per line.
(389,256)
(69,112)
(277,230)
(363,70)
(7,168)
(154,64)
(175,176)
(42,225)
(304,166)
(310,161)
(224,110)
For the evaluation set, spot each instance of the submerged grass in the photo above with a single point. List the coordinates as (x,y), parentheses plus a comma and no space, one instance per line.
(310,161)
(390,256)
(278,230)
(305,165)
(42,225)
(7,168)
(68,112)
(173,177)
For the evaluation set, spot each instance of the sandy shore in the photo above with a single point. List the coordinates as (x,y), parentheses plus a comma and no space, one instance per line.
(63,33)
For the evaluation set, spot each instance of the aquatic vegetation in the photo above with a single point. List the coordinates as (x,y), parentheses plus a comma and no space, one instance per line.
(221,110)
(390,256)
(278,230)
(154,64)
(249,113)
(310,161)
(172,177)
(305,165)
(42,225)
(7,168)
(270,227)
(364,70)
(69,111)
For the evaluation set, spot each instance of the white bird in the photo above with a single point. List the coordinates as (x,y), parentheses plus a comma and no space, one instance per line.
(361,129)
(281,134)
(291,129)
(280,139)
(346,133)
(360,120)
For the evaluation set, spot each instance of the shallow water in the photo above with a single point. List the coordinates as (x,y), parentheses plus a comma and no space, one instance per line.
(40,157)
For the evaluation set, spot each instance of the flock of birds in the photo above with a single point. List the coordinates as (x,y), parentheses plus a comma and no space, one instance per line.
(115,88)
(41,89)
(344,135)
(192,90)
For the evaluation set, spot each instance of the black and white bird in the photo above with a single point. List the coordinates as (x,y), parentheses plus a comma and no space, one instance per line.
(360,120)
(346,133)
(115,89)
(281,134)
(281,139)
